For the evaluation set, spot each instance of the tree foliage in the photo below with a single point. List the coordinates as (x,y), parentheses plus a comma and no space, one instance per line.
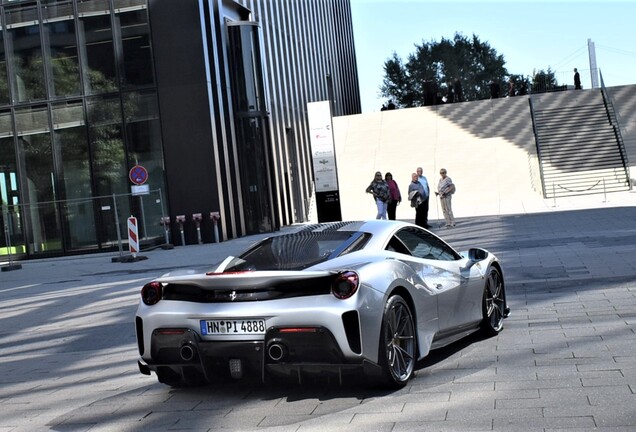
(473,62)
(544,81)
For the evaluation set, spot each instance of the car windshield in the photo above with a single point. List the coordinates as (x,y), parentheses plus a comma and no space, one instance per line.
(298,251)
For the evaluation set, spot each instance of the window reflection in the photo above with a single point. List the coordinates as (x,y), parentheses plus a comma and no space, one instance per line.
(143,136)
(4,80)
(107,145)
(110,172)
(135,33)
(66,149)
(59,29)
(10,211)
(70,141)
(100,71)
(34,142)
(28,70)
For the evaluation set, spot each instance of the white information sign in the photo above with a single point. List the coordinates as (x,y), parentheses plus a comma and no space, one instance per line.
(322,146)
(140,190)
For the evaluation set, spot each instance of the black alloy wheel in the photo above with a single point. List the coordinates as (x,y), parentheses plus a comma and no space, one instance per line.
(397,343)
(494,303)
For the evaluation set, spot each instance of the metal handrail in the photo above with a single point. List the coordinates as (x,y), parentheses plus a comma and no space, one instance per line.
(538,146)
(613,119)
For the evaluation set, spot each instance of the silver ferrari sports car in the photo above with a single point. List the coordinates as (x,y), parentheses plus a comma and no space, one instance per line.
(332,298)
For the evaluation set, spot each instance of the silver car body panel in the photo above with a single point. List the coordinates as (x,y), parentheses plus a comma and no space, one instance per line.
(446,296)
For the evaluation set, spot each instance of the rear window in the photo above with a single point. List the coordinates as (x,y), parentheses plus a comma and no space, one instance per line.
(298,251)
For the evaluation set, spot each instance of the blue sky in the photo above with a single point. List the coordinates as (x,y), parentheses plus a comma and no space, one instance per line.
(530,35)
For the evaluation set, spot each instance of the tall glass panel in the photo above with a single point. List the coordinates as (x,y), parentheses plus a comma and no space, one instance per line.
(135,35)
(143,136)
(252,122)
(41,213)
(59,40)
(70,138)
(251,136)
(110,171)
(4,80)
(96,32)
(11,225)
(23,33)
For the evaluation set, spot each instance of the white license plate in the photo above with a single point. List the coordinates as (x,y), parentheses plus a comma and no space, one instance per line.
(233,327)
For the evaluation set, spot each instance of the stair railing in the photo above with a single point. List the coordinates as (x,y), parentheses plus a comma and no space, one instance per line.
(613,119)
(538,146)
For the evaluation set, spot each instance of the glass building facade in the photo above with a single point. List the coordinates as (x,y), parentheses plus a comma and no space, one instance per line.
(206,98)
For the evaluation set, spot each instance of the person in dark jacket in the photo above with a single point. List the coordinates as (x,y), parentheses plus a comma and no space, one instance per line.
(395,197)
(577,80)
(416,196)
(380,191)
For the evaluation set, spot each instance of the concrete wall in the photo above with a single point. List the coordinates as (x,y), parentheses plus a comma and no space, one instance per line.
(487,147)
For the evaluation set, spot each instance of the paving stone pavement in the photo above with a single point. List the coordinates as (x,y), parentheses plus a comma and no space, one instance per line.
(566,360)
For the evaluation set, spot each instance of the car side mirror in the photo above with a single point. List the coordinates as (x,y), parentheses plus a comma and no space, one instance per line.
(477,254)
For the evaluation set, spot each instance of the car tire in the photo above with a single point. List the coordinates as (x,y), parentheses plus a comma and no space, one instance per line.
(397,351)
(493,304)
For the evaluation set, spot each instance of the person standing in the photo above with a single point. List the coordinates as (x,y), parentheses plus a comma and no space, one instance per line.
(449,97)
(424,183)
(494,89)
(458,93)
(416,196)
(445,191)
(577,80)
(394,195)
(380,191)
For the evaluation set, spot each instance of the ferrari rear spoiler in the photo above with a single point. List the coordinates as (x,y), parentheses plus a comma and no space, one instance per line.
(248,279)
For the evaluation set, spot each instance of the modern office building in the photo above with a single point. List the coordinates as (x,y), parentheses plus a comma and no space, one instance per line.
(162,109)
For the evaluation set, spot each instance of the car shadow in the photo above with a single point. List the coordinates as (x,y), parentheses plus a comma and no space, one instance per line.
(440,354)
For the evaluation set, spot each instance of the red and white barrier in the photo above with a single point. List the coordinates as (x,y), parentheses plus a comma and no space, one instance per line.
(133,236)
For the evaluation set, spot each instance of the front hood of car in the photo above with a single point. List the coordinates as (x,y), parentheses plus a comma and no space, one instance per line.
(181,273)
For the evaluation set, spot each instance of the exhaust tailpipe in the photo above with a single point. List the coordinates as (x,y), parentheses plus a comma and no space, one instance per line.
(277,351)
(187,352)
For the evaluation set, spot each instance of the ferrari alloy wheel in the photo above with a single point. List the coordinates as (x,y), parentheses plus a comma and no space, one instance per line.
(494,303)
(397,343)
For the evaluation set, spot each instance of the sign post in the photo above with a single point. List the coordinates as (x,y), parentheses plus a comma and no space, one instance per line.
(324,162)
(138,175)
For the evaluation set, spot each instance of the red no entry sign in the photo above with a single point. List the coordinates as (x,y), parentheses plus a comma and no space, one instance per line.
(138,175)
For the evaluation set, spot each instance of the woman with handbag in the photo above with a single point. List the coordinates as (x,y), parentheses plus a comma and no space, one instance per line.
(380,191)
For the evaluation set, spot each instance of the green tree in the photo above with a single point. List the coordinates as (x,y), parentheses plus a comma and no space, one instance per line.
(473,62)
(544,81)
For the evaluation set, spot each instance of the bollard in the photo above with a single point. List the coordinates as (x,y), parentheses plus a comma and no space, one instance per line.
(215,217)
(180,219)
(196,217)
(7,236)
(165,221)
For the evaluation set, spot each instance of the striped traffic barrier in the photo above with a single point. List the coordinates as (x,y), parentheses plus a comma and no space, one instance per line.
(133,237)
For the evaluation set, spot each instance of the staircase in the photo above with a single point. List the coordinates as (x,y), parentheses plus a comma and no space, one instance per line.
(579,144)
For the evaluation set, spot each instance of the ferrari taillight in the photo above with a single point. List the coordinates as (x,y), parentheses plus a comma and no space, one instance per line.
(345,285)
(151,293)
(297,330)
